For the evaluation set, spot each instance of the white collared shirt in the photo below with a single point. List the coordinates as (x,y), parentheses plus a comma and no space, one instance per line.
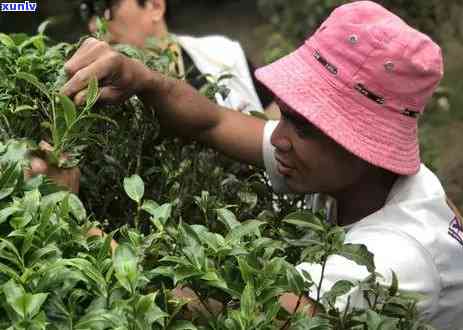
(415,234)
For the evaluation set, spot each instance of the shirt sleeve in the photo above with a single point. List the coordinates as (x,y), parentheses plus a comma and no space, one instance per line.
(268,150)
(393,251)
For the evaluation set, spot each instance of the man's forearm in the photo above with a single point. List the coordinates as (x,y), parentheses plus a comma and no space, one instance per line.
(185,112)
(181,109)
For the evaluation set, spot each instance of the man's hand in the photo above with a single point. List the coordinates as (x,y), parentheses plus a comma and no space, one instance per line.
(67,178)
(180,108)
(119,76)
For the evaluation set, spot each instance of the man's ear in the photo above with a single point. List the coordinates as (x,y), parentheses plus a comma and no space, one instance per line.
(157,8)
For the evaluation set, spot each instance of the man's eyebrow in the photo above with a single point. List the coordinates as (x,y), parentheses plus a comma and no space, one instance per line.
(297,119)
(286,111)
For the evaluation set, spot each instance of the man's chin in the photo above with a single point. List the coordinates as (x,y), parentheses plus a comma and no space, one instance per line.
(298,187)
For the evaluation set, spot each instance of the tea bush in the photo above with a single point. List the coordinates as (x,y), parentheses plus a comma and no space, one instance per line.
(198,221)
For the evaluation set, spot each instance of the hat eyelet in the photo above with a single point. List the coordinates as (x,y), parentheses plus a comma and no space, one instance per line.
(389,66)
(353,39)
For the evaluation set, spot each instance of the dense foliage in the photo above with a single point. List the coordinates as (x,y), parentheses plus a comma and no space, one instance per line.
(198,221)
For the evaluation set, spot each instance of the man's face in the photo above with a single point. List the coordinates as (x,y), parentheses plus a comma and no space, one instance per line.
(309,160)
(132,23)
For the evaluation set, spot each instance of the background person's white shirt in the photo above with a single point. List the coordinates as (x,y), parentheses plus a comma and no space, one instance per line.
(217,55)
(415,234)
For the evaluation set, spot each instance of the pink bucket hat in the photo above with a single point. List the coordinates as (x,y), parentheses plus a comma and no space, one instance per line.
(362,78)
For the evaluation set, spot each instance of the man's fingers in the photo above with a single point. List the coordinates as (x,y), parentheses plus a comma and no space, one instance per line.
(87,53)
(38,166)
(80,97)
(111,94)
(99,69)
(45,146)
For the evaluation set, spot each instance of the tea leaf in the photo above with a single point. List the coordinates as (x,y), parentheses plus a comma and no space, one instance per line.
(9,179)
(22,108)
(7,41)
(125,266)
(35,82)
(69,109)
(77,208)
(32,303)
(92,93)
(12,291)
(246,228)
(306,220)
(394,288)
(43,26)
(248,301)
(161,213)
(148,311)
(134,188)
(227,218)
(340,288)
(295,281)
(359,254)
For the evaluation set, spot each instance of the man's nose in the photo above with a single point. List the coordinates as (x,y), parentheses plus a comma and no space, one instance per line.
(280,139)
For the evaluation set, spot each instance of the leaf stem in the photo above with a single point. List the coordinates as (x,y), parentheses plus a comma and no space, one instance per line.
(136,220)
(321,279)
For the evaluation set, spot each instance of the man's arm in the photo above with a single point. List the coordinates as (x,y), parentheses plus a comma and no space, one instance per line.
(181,108)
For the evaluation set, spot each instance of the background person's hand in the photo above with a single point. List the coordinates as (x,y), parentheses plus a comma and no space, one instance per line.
(68,178)
(120,77)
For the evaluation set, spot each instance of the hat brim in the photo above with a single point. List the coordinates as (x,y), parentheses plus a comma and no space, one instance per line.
(387,139)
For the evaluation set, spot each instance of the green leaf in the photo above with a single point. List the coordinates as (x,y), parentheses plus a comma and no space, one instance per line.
(7,212)
(70,112)
(12,291)
(93,275)
(22,108)
(76,208)
(33,303)
(228,218)
(7,41)
(161,213)
(248,301)
(92,93)
(295,281)
(150,206)
(126,266)
(39,43)
(359,254)
(134,188)
(147,309)
(246,228)
(26,305)
(31,201)
(394,288)
(43,26)
(249,198)
(10,272)
(339,289)
(9,179)
(305,220)
(35,82)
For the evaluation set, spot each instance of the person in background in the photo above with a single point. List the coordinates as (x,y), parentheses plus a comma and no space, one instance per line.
(350,99)
(134,22)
